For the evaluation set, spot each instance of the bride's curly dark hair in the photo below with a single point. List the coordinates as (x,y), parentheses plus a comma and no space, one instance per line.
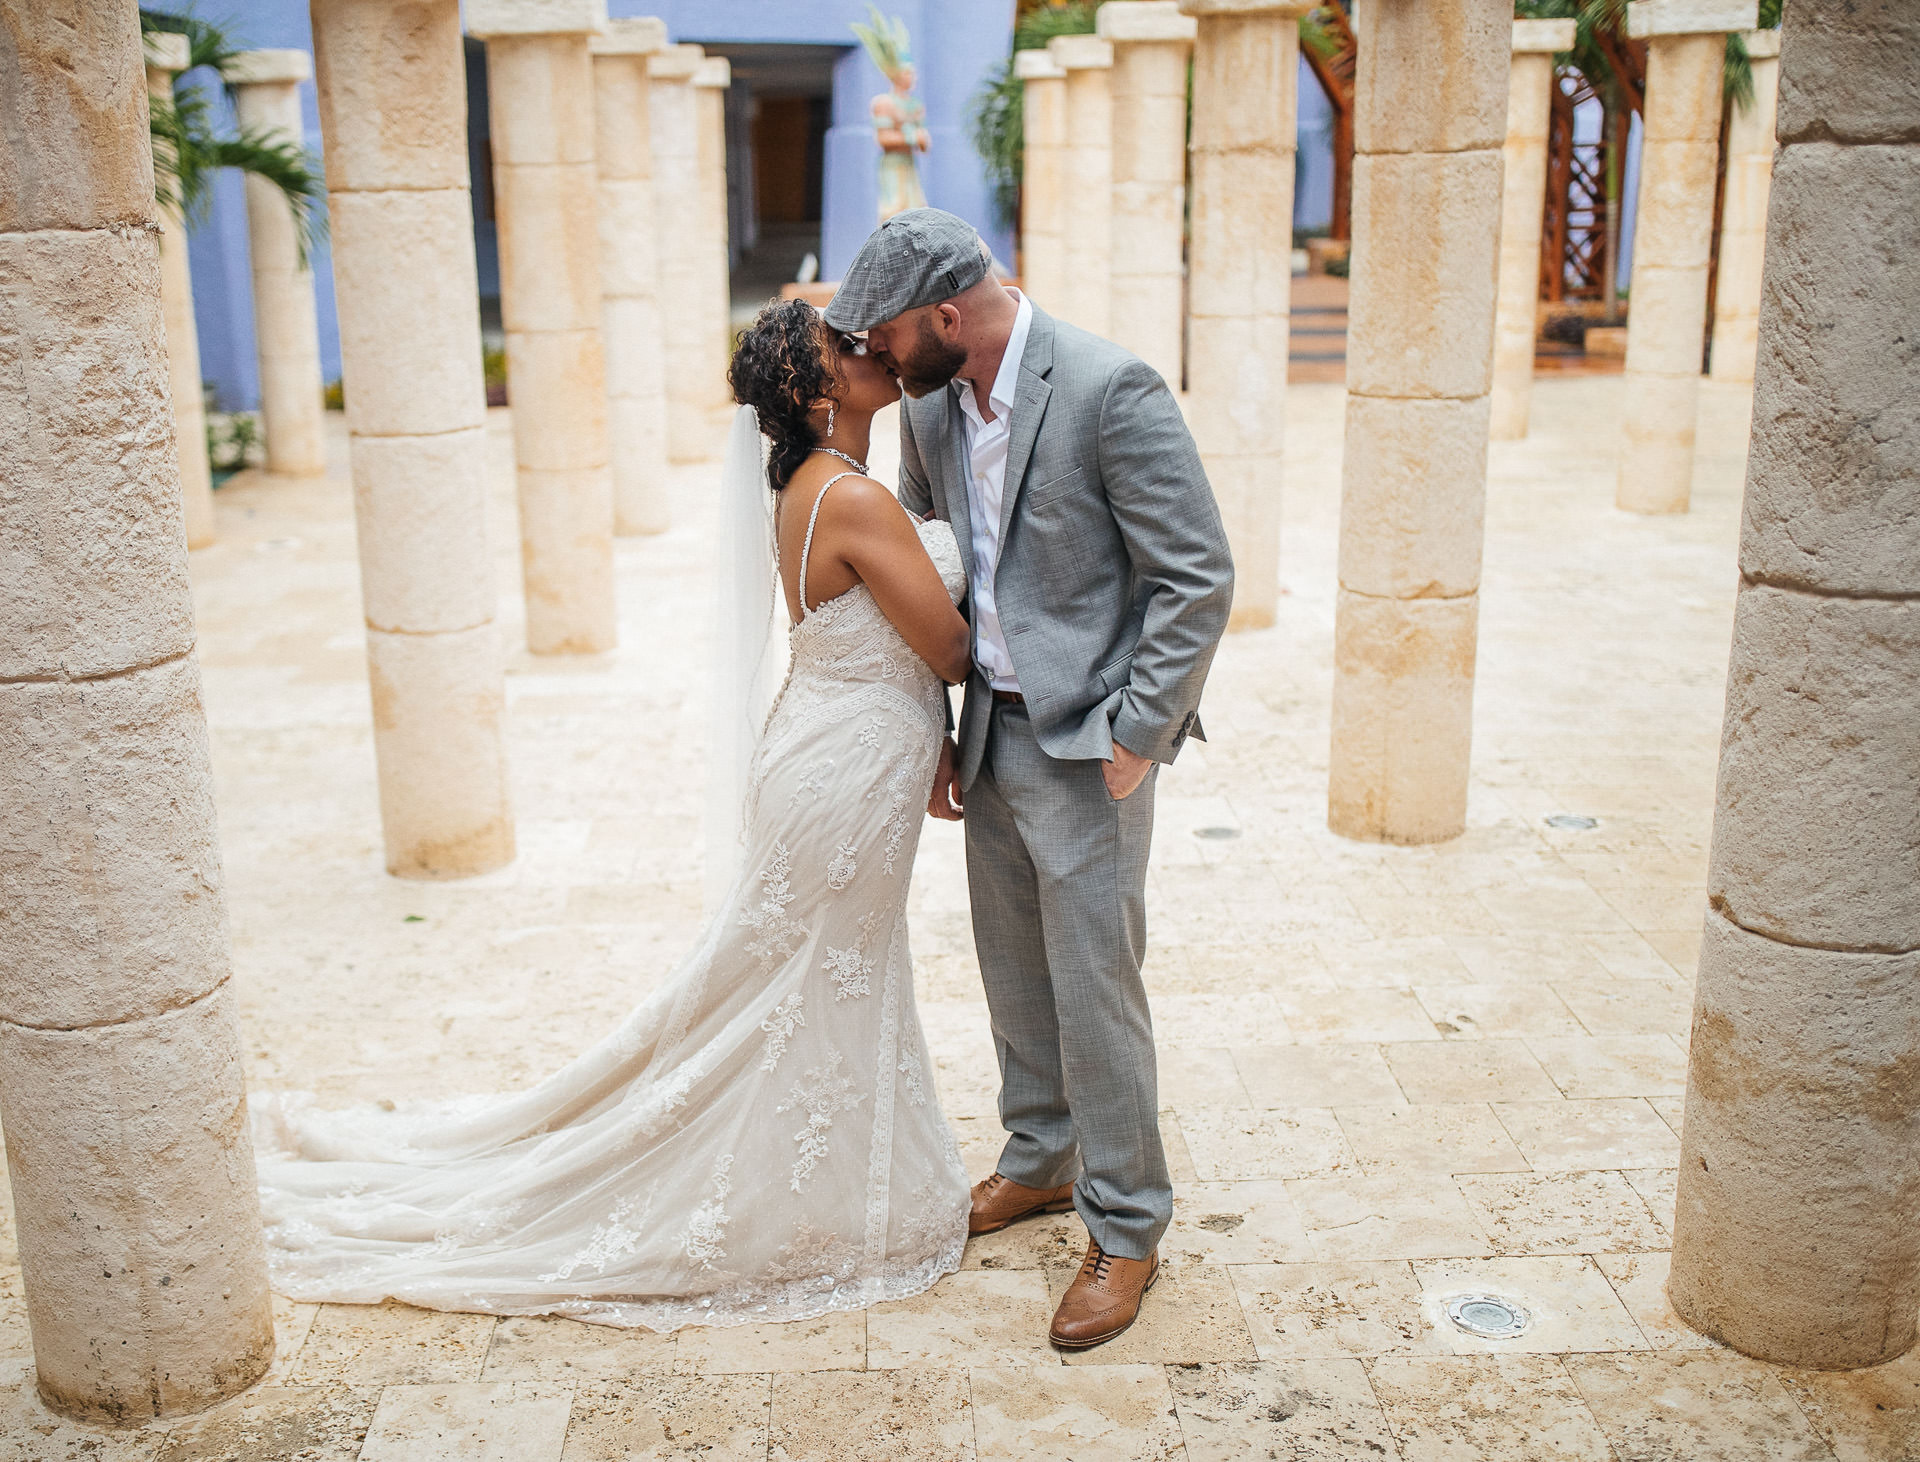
(780,368)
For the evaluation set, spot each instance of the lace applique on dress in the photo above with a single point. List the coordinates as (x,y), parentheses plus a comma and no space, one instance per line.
(707,1229)
(840,868)
(915,1075)
(822,1095)
(779,934)
(613,1240)
(852,972)
(780,1027)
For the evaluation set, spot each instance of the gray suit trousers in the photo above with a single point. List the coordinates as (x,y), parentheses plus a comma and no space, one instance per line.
(1058,874)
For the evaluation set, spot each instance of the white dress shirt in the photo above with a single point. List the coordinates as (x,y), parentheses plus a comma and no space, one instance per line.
(986,488)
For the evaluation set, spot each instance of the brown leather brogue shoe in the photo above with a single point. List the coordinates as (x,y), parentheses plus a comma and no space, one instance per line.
(1103,1300)
(999,1201)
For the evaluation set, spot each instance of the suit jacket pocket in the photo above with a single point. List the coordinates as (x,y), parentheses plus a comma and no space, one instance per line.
(1114,676)
(1040,494)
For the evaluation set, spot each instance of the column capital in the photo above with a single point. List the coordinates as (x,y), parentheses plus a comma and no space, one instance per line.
(637,35)
(1037,64)
(1081,53)
(1530,37)
(1134,21)
(167,51)
(490,19)
(267,68)
(714,72)
(1763,45)
(675,63)
(1648,18)
(1234,9)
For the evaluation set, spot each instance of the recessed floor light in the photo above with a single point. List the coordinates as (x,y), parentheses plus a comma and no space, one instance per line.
(1216,834)
(1572,822)
(1488,1316)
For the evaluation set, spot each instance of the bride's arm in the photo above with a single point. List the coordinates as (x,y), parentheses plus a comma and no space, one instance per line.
(868,532)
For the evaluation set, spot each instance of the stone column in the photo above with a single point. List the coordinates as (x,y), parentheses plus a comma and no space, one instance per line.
(1522,202)
(393,108)
(1151,42)
(540,110)
(629,275)
(1672,237)
(1795,1238)
(1426,223)
(286,330)
(166,57)
(1086,296)
(1743,216)
(710,82)
(1245,58)
(680,224)
(134,1194)
(1043,214)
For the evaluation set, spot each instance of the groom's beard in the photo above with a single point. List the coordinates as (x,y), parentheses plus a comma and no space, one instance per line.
(931,364)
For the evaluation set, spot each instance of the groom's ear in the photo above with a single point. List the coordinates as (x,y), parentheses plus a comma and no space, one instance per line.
(948,314)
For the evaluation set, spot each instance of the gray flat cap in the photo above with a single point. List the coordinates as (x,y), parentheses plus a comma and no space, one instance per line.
(918,257)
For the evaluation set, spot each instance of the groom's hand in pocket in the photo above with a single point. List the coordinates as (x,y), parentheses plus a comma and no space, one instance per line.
(1124,773)
(946,802)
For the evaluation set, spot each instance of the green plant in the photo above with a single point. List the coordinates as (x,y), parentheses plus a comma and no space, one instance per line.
(994,123)
(233,441)
(187,151)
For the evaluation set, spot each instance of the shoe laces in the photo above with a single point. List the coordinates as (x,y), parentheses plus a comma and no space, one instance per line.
(1097,1264)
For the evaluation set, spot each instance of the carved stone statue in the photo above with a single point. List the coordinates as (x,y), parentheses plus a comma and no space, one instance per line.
(899,118)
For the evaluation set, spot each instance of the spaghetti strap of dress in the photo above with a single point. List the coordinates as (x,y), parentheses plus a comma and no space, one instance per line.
(806,548)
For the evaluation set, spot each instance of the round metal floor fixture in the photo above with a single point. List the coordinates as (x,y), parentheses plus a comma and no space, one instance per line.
(1572,822)
(1216,834)
(1488,1316)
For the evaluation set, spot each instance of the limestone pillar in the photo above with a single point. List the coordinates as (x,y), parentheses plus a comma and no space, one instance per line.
(134,1196)
(629,275)
(540,110)
(393,107)
(1043,213)
(1426,222)
(1795,1238)
(1743,216)
(1672,238)
(1522,202)
(1151,42)
(679,223)
(286,330)
(1246,54)
(1086,294)
(710,82)
(166,57)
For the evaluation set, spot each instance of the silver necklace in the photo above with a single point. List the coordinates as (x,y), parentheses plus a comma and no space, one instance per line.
(860,467)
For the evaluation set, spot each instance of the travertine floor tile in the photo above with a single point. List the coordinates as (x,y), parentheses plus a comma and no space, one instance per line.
(1234,1223)
(982,1317)
(1548,904)
(1641,1282)
(1613,1066)
(1572,1305)
(1435,1140)
(1659,1187)
(1202,1076)
(1055,1238)
(524,1421)
(1348,1016)
(1694,1406)
(391,1344)
(31,1433)
(1469,1071)
(1679,947)
(1478,1012)
(1191,1314)
(1562,1213)
(1421,959)
(1491,1408)
(1628,956)
(1317,1076)
(1309,1410)
(1321,1311)
(1399,1216)
(292,1322)
(1529,959)
(1865,1416)
(872,1416)
(1119,1412)
(1630,1007)
(313,1424)
(538,1348)
(1591,1132)
(834,1342)
(1231,1144)
(671,1419)
(15,1341)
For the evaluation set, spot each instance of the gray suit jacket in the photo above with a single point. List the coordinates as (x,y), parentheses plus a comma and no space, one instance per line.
(1114,579)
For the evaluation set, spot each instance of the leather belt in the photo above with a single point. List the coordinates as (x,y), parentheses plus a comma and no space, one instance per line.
(1010,697)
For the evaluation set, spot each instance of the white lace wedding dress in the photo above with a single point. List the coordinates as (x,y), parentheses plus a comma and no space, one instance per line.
(760,1140)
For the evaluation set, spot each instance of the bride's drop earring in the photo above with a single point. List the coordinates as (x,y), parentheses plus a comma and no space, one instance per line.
(829,418)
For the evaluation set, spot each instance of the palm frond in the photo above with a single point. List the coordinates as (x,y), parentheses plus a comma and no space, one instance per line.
(288,166)
(1073,18)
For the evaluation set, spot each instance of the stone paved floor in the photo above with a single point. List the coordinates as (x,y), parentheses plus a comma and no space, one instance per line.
(1389,1074)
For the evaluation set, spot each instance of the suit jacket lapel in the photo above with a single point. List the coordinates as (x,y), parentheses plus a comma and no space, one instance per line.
(1029,405)
(959,479)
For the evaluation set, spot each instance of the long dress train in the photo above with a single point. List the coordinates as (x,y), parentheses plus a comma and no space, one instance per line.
(760,1139)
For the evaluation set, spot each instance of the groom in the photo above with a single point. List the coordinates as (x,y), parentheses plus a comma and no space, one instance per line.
(1099,584)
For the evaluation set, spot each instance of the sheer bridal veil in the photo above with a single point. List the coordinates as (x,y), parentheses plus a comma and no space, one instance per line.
(748,651)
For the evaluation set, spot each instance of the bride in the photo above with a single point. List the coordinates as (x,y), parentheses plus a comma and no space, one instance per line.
(760,1139)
